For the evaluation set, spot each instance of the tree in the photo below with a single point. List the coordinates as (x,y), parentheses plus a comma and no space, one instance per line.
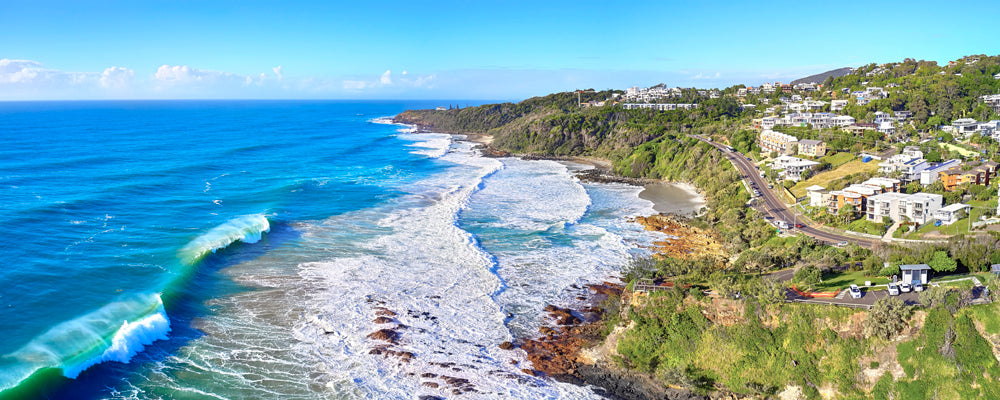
(846,213)
(940,262)
(933,156)
(808,275)
(887,318)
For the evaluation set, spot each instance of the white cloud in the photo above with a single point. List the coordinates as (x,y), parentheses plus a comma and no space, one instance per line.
(709,76)
(404,72)
(386,78)
(183,75)
(20,71)
(424,81)
(357,85)
(277,71)
(117,77)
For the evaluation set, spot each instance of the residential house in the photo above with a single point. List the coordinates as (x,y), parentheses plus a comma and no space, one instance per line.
(916,207)
(908,166)
(887,128)
(993,101)
(997,76)
(814,148)
(965,126)
(814,105)
(842,121)
(777,142)
(768,122)
(791,168)
(931,174)
(902,115)
(837,105)
(949,214)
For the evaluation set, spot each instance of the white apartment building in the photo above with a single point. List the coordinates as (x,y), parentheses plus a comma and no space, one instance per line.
(917,207)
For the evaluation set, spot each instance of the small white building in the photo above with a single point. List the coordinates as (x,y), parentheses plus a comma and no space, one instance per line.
(837,105)
(949,214)
(914,273)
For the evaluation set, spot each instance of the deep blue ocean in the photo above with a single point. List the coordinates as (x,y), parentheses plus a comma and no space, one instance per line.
(243,249)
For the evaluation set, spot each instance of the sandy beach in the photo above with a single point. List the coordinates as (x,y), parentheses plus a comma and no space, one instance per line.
(673,197)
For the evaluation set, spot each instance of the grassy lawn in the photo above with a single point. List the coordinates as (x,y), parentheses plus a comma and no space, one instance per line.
(966,284)
(823,179)
(841,280)
(866,226)
(961,225)
(838,159)
(961,150)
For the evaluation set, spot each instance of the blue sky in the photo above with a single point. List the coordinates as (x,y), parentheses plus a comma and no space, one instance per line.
(448,50)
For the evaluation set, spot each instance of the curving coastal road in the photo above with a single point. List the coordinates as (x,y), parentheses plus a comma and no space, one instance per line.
(776,208)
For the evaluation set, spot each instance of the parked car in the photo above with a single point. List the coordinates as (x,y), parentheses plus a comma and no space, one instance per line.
(893,290)
(905,288)
(855,291)
(842,243)
(917,287)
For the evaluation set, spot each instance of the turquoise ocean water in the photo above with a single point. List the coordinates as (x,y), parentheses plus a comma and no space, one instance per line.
(228,249)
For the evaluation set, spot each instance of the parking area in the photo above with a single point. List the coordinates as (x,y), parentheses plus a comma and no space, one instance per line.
(844,299)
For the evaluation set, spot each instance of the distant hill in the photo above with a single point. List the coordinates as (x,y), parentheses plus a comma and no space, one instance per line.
(821,77)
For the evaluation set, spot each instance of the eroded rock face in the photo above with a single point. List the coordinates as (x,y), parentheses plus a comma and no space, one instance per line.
(688,243)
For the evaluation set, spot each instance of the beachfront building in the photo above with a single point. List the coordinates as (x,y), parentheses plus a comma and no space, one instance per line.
(916,207)
(791,168)
(777,142)
(812,148)
(949,214)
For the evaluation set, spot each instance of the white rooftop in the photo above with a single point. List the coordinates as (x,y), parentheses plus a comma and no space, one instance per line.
(953,207)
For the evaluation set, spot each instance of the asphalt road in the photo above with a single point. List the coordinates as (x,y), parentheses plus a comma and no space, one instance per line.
(773,206)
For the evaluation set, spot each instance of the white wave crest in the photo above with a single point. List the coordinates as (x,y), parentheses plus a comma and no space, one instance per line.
(436,145)
(99,336)
(246,229)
